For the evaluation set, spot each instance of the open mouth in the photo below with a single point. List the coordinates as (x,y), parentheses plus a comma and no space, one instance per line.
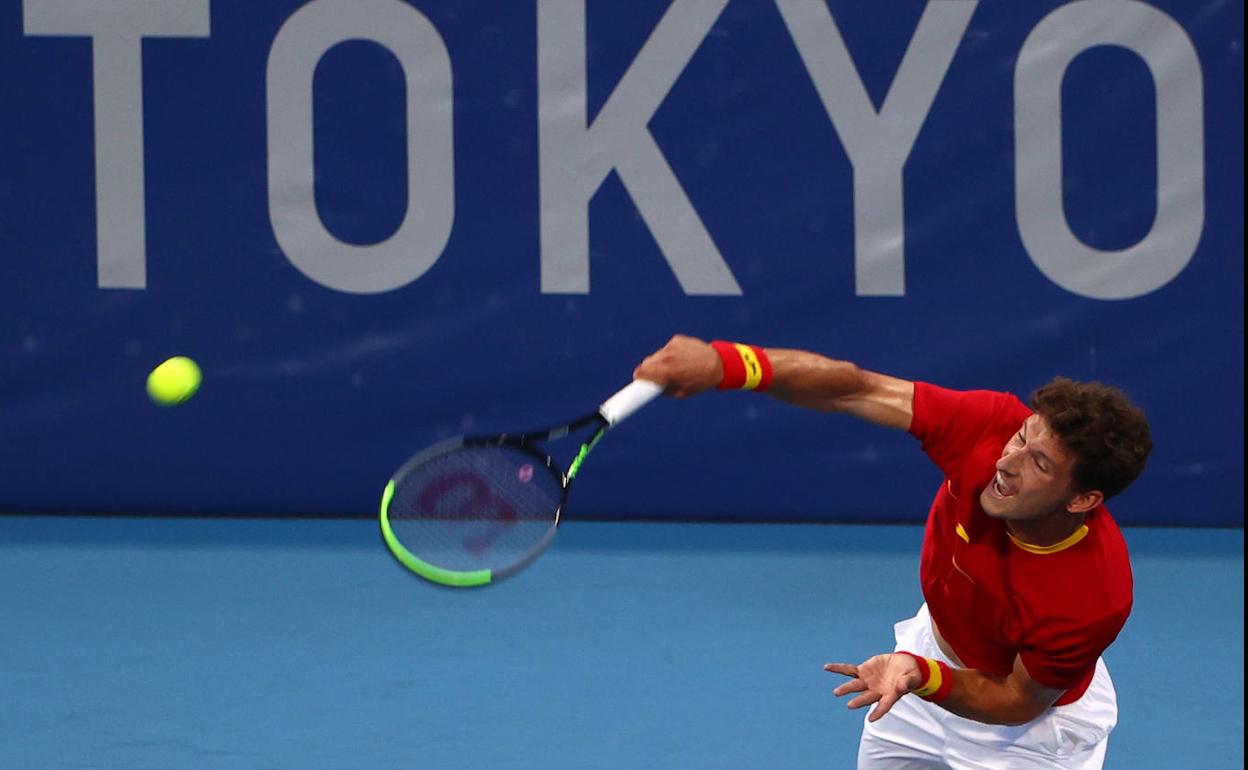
(999,489)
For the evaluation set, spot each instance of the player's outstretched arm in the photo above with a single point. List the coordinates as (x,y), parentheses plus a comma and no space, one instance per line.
(687,366)
(1004,700)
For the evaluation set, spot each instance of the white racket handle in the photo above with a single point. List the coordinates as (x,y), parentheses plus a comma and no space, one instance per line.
(629,399)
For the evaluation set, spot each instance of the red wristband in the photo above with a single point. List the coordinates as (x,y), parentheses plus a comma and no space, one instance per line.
(935,678)
(746,367)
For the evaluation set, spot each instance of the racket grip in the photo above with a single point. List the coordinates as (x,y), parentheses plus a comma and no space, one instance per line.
(629,399)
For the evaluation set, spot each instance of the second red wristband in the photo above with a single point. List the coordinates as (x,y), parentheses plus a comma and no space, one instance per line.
(746,367)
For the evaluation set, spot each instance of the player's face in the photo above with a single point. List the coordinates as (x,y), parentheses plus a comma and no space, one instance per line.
(1033,475)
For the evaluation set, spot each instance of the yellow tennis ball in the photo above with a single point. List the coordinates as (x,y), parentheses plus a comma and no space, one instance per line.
(174,381)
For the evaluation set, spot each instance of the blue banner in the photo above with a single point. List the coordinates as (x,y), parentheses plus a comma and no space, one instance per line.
(376,224)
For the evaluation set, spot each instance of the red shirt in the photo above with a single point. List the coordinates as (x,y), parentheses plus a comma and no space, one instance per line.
(993,597)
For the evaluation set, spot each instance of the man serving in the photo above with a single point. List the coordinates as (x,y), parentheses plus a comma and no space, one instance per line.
(1025,575)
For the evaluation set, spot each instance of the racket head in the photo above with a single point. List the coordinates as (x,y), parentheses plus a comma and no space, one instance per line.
(472,511)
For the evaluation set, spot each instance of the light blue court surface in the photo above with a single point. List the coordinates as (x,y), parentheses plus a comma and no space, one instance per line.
(215,644)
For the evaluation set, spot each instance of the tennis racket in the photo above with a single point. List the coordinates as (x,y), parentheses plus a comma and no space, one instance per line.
(471,511)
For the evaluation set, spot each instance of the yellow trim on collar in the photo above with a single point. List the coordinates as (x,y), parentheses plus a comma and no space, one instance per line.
(962,534)
(1073,540)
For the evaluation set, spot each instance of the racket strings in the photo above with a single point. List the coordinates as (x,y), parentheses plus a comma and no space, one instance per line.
(476,507)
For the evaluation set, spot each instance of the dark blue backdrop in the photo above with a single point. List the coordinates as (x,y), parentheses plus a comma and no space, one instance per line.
(313,395)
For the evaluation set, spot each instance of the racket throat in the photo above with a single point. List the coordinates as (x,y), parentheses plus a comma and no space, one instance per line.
(586,448)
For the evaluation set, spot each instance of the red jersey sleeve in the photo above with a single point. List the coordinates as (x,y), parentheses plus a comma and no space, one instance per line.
(948,423)
(1063,655)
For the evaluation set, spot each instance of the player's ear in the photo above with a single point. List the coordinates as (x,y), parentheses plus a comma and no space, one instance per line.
(1083,502)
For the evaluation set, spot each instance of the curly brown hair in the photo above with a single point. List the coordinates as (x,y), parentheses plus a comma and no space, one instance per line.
(1107,434)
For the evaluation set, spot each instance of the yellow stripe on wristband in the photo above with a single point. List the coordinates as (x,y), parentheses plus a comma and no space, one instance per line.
(753,369)
(934,679)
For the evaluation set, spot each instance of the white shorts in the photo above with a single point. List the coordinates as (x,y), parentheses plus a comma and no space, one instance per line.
(917,735)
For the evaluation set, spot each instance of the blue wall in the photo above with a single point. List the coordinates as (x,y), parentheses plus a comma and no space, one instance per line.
(1045,189)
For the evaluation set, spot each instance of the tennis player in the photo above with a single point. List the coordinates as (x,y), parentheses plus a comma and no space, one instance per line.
(1025,574)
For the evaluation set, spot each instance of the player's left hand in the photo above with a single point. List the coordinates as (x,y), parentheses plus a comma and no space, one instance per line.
(880,679)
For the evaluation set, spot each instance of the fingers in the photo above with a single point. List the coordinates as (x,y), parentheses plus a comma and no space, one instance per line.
(866,699)
(841,668)
(656,367)
(886,703)
(856,685)
(685,366)
(845,669)
(867,693)
(650,370)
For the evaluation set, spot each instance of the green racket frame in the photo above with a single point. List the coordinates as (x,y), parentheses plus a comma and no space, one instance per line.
(612,411)
(481,577)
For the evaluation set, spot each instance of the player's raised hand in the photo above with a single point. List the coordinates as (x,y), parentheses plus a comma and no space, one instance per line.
(879,679)
(685,366)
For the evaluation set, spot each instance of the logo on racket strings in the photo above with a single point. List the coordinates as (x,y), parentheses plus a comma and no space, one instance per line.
(471,499)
